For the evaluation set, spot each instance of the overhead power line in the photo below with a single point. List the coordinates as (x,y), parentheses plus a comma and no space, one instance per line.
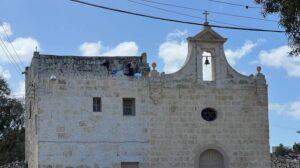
(202,10)
(234,4)
(173,20)
(9,59)
(183,14)
(16,54)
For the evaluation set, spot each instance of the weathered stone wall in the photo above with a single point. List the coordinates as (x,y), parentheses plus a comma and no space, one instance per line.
(167,130)
(31,110)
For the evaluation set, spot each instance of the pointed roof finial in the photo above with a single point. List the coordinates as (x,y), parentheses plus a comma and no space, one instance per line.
(258,69)
(206,17)
(154,65)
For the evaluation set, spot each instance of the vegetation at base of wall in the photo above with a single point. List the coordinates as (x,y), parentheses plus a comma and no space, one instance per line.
(289,13)
(282,150)
(12,131)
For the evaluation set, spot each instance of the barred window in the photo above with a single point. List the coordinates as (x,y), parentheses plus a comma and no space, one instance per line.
(129,106)
(97,104)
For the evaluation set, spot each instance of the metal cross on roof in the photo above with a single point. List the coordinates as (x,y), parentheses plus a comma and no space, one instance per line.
(206,16)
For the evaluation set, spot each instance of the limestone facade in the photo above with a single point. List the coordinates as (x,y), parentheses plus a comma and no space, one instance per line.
(168,129)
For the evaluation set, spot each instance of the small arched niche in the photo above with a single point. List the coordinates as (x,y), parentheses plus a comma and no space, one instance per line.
(211,158)
(207,66)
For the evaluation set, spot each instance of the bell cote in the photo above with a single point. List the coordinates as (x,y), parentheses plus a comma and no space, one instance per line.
(206,63)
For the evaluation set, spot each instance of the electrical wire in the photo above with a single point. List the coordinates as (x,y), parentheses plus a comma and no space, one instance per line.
(213,12)
(16,54)
(183,14)
(173,20)
(234,4)
(9,58)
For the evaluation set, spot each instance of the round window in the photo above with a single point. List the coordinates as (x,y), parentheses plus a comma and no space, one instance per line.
(209,114)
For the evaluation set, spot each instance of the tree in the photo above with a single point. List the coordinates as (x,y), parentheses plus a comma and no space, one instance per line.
(296,148)
(289,12)
(282,150)
(12,132)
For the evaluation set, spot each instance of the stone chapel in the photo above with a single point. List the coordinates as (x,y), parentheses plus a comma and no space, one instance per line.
(117,112)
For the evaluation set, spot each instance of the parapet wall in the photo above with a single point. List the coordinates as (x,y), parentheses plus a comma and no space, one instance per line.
(127,65)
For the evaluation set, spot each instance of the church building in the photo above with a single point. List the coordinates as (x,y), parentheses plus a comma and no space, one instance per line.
(117,112)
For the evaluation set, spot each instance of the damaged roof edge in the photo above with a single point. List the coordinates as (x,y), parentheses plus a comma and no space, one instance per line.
(130,65)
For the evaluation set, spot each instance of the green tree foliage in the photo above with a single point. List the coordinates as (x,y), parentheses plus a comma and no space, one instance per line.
(289,13)
(12,132)
(282,150)
(296,148)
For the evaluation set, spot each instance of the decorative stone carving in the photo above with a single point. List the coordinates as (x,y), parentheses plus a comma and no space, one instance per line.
(207,36)
(155,88)
(155,92)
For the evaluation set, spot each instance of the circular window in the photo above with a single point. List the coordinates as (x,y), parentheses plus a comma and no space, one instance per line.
(209,114)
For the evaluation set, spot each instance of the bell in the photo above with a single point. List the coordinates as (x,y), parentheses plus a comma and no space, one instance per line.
(206,61)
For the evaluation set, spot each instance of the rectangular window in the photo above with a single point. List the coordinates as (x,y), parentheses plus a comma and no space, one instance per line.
(97,104)
(30,109)
(129,106)
(36,124)
(129,164)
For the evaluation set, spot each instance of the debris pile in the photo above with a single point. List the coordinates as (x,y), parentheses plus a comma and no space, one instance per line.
(16,164)
(285,161)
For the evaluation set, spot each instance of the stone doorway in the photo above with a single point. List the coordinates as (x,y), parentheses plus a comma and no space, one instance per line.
(211,158)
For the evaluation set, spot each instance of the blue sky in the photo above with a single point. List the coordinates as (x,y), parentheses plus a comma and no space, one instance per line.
(65,28)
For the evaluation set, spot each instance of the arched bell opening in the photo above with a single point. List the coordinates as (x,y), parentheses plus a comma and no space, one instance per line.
(207,66)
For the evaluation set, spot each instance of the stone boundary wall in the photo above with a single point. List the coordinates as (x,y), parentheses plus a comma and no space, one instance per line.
(277,162)
(285,162)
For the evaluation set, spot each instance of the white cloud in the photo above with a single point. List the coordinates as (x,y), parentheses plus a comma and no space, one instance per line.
(20,91)
(5,73)
(24,47)
(95,49)
(279,58)
(177,34)
(90,49)
(291,109)
(173,51)
(126,48)
(234,55)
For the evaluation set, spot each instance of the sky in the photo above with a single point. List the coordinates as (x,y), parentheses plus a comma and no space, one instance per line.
(63,27)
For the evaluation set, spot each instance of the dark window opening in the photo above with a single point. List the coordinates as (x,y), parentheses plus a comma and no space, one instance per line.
(97,104)
(130,69)
(129,106)
(35,124)
(107,65)
(30,109)
(129,164)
